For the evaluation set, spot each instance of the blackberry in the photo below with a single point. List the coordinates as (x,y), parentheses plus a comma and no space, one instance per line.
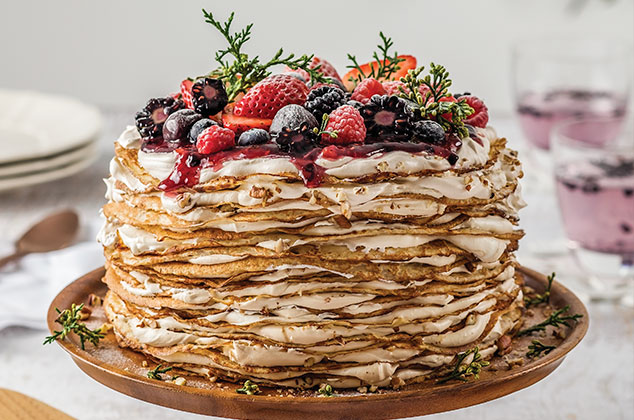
(292,129)
(149,121)
(324,100)
(387,118)
(209,96)
(427,131)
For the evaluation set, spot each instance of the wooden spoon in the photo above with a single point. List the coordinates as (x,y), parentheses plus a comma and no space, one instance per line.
(56,231)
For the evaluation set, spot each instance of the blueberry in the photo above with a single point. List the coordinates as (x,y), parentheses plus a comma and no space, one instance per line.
(177,125)
(253,137)
(198,127)
(428,131)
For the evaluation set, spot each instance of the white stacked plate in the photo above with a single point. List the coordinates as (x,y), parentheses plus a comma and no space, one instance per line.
(44,137)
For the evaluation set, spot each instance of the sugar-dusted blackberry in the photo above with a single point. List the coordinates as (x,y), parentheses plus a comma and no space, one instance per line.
(386,118)
(354,104)
(149,121)
(427,131)
(209,96)
(324,100)
(178,124)
(292,129)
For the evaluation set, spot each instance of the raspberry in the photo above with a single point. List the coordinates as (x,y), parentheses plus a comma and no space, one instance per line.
(393,87)
(480,116)
(270,95)
(215,139)
(348,123)
(186,93)
(366,89)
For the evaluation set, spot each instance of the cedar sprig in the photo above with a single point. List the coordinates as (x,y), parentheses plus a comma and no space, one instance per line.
(536,348)
(157,371)
(462,370)
(249,388)
(70,319)
(429,104)
(326,390)
(541,298)
(555,319)
(239,71)
(385,63)
(322,128)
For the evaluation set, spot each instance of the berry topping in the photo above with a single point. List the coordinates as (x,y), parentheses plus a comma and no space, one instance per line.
(299,74)
(480,116)
(241,124)
(198,127)
(209,96)
(325,68)
(386,118)
(292,129)
(186,93)
(150,120)
(324,100)
(348,124)
(271,94)
(178,124)
(427,131)
(215,139)
(367,89)
(393,87)
(408,63)
(253,137)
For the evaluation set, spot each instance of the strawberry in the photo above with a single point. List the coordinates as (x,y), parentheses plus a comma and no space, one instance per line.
(239,124)
(271,94)
(215,139)
(366,89)
(480,116)
(392,87)
(186,93)
(404,66)
(348,123)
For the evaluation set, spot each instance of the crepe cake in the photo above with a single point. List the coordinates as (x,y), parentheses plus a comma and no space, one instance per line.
(245,240)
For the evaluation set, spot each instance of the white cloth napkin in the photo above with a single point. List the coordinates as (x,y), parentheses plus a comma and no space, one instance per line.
(28,286)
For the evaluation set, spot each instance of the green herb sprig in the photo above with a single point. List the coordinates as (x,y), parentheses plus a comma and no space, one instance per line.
(70,319)
(450,115)
(463,370)
(249,388)
(542,298)
(322,128)
(555,319)
(385,65)
(241,72)
(326,390)
(536,348)
(157,371)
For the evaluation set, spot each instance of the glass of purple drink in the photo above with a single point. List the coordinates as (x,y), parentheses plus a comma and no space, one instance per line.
(557,79)
(594,176)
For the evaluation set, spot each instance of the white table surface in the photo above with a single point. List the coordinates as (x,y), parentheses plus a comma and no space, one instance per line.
(596,381)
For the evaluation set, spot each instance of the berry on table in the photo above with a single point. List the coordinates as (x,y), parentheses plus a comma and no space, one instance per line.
(271,94)
(186,93)
(366,89)
(198,127)
(209,96)
(480,116)
(178,124)
(253,136)
(324,100)
(347,123)
(215,139)
(149,121)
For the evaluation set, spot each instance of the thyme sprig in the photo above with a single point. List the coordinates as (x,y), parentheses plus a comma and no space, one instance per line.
(322,128)
(541,298)
(430,104)
(70,319)
(326,390)
(385,65)
(536,348)
(462,370)
(157,371)
(249,388)
(239,71)
(555,319)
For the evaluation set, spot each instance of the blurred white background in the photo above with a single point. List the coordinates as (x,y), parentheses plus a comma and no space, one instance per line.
(118,53)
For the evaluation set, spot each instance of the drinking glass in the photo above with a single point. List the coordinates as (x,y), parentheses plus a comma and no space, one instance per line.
(594,177)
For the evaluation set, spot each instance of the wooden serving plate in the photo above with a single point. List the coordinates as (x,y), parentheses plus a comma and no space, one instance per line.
(122,369)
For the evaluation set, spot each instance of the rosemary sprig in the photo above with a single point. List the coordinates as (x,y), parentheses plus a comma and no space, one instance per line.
(239,71)
(248,388)
(326,390)
(385,65)
(450,115)
(462,370)
(322,128)
(69,319)
(555,319)
(157,371)
(544,297)
(536,348)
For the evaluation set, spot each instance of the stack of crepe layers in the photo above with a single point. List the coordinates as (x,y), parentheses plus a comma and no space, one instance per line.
(374,278)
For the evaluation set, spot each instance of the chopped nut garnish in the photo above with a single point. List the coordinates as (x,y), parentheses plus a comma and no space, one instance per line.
(94,300)
(362,389)
(84,313)
(342,221)
(373,388)
(180,381)
(144,363)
